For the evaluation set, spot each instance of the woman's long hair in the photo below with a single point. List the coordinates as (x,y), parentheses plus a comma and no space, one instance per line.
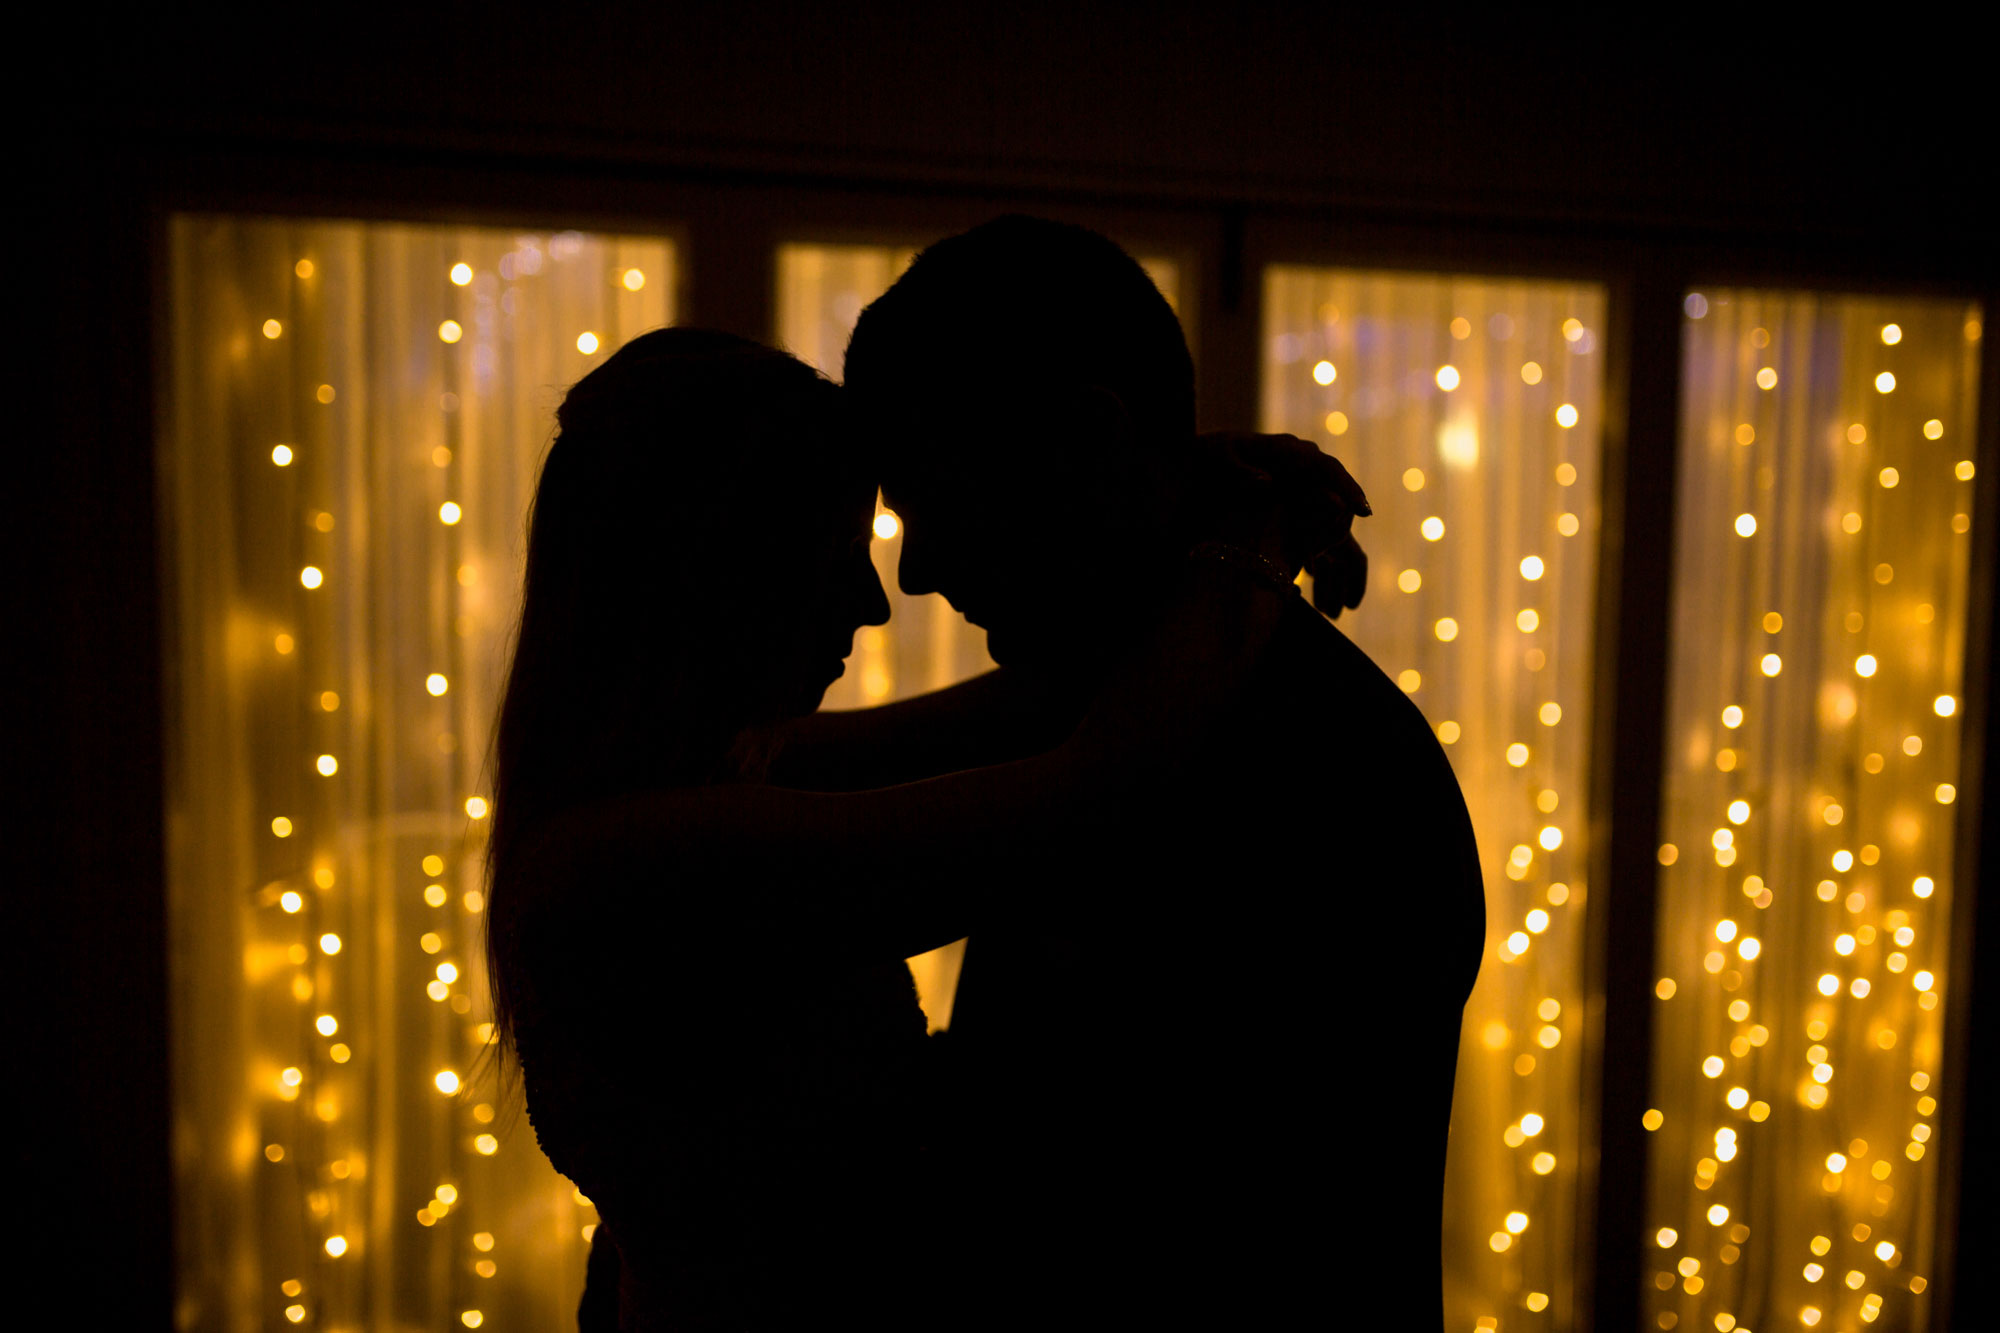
(681,469)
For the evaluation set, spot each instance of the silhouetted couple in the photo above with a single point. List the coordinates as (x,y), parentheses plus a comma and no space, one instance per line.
(1220,888)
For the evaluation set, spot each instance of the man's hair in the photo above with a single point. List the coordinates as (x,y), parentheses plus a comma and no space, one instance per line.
(1025,302)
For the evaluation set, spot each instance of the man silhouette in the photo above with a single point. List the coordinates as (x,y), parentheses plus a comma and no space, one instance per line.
(1220,1091)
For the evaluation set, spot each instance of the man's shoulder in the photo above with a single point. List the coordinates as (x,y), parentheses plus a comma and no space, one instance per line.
(1326,702)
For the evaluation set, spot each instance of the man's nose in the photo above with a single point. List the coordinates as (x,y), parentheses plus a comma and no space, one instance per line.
(916,572)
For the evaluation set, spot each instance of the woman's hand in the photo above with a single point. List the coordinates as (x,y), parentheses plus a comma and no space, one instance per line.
(1241,476)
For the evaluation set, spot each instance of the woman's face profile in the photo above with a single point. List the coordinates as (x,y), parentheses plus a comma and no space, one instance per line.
(833,591)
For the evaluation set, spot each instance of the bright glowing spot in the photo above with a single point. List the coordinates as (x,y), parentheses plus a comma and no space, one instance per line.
(1829,985)
(272,328)
(324,393)
(433,864)
(634,279)
(447,1082)
(434,895)
(1732,717)
(1771,664)
(1566,415)
(1433,528)
(282,455)
(1891,334)
(327,765)
(449,513)
(1413,479)
(1531,373)
(1885,383)
(486,1145)
(336,1245)
(1409,580)
(1946,793)
(1725,930)
(586,342)
(1767,378)
(1447,378)
(329,943)
(1746,524)
(291,902)
(1963,469)
(1864,665)
(1531,567)
(447,973)
(1667,1237)
(1567,524)
(295,1313)
(472,1319)
(304,268)
(1551,713)
(311,577)
(1324,373)
(475,806)
(327,1025)
(886,525)
(1712,1066)
(436,683)
(1944,705)
(1551,838)
(1517,755)
(1843,860)
(1447,629)
(1565,474)
(1888,476)
(282,827)
(1836,1163)
(1448,732)
(1537,921)
(461,274)
(450,331)
(1527,621)
(1409,682)
(1517,1222)
(1924,886)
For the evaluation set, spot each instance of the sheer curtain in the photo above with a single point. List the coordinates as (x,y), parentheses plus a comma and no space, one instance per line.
(355,419)
(1812,772)
(1469,409)
(926,645)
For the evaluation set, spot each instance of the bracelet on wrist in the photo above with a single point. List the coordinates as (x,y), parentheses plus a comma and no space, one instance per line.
(1261,568)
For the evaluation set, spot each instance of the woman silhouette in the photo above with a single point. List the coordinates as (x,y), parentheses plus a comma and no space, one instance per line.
(700,974)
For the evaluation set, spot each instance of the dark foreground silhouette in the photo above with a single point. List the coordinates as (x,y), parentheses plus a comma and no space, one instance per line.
(1223,902)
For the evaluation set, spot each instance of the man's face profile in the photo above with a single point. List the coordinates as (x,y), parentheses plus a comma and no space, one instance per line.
(996,518)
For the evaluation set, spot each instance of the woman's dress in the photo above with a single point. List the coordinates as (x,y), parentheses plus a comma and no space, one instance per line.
(755,1145)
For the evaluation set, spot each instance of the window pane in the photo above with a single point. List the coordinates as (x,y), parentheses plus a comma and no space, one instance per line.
(1469,410)
(1812,773)
(357,415)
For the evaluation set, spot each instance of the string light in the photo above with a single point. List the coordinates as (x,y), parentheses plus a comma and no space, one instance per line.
(1863,927)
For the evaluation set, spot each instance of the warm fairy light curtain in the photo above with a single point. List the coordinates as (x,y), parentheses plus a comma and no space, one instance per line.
(357,414)
(1812,773)
(926,645)
(1469,409)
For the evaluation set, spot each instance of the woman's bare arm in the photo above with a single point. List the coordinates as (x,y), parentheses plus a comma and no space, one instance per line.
(856,875)
(1001,715)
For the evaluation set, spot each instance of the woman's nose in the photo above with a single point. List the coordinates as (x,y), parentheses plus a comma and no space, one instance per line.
(874,603)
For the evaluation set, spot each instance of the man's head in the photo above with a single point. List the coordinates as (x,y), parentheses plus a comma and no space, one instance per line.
(1032,399)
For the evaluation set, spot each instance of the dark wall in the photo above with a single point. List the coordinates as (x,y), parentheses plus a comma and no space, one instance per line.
(1858,145)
